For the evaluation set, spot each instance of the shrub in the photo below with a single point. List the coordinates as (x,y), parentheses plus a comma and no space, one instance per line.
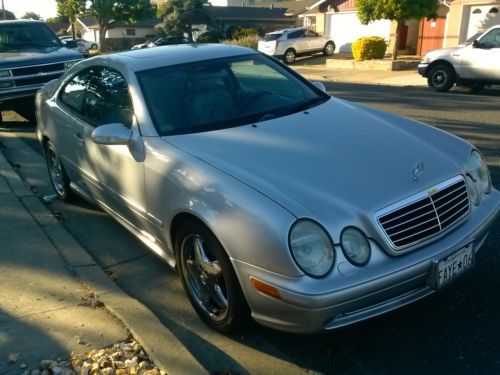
(250,41)
(240,33)
(368,48)
(210,36)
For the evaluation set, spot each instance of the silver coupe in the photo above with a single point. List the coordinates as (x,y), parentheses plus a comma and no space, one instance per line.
(270,197)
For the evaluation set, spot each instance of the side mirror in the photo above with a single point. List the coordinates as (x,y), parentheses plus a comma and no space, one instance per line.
(476,44)
(319,85)
(70,43)
(112,134)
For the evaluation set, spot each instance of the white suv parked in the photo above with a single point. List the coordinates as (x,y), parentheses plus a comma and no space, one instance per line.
(473,65)
(290,43)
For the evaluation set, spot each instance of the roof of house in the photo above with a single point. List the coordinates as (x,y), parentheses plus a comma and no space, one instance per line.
(293,7)
(57,26)
(248,13)
(91,23)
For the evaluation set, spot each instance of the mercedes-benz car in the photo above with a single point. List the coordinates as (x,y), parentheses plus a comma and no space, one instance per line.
(270,197)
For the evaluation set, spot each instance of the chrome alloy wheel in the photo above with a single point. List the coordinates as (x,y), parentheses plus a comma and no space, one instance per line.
(290,57)
(439,78)
(55,172)
(329,49)
(204,278)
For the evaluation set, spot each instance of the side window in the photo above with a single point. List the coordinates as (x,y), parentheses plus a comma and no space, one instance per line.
(108,99)
(491,40)
(296,34)
(73,94)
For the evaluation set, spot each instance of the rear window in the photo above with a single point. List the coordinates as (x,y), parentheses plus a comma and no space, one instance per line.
(271,37)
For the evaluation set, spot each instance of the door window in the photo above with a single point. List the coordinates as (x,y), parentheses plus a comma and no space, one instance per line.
(491,40)
(73,94)
(296,34)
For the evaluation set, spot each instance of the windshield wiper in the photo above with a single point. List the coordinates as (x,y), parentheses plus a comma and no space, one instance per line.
(295,107)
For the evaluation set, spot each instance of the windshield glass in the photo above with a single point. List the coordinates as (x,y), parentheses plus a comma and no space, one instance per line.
(223,93)
(474,37)
(26,35)
(271,37)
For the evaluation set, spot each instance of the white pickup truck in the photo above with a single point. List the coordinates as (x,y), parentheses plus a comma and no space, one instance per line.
(473,65)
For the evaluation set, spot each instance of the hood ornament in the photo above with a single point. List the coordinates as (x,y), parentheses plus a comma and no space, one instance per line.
(418,169)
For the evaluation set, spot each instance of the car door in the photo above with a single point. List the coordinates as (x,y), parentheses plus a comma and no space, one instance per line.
(482,60)
(299,42)
(113,174)
(314,41)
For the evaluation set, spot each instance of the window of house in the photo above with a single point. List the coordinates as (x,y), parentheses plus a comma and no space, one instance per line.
(493,10)
(130,32)
(477,11)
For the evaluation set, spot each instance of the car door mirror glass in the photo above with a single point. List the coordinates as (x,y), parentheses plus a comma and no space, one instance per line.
(319,85)
(476,44)
(112,134)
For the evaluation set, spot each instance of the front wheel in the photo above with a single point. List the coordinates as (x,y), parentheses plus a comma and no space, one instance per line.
(329,49)
(93,46)
(208,277)
(441,78)
(57,174)
(289,56)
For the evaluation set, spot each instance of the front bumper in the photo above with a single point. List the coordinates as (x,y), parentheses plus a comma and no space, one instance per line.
(301,311)
(422,69)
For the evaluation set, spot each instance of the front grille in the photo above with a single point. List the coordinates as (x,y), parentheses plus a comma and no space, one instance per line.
(35,80)
(429,214)
(38,69)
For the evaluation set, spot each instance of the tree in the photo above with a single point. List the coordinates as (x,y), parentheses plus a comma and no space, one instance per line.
(31,16)
(107,12)
(395,10)
(179,16)
(71,9)
(7,15)
(57,19)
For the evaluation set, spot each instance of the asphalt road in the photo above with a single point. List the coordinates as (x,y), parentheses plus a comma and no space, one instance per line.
(453,332)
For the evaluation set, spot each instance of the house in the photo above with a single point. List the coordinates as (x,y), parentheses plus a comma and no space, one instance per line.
(88,29)
(265,18)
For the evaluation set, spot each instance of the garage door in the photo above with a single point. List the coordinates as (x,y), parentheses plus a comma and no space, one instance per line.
(344,28)
(482,17)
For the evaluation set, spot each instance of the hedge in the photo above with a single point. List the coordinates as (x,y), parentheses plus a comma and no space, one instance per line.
(369,48)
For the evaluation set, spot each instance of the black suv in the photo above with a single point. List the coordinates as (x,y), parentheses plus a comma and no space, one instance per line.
(30,55)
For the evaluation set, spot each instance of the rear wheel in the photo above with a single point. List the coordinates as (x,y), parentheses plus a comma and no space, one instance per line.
(441,78)
(208,277)
(57,174)
(329,49)
(289,56)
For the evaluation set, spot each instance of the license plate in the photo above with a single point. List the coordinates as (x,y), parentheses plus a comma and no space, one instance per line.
(454,265)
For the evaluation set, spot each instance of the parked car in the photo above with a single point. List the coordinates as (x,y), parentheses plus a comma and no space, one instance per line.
(270,196)
(30,56)
(290,43)
(82,45)
(473,65)
(163,42)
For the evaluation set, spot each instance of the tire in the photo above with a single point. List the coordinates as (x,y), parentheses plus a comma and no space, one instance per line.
(441,78)
(329,49)
(208,278)
(289,56)
(472,87)
(93,46)
(58,177)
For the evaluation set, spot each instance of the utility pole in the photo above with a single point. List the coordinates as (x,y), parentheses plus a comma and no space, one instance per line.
(3,10)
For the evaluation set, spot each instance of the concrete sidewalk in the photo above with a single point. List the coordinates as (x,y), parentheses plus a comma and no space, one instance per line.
(48,289)
(406,78)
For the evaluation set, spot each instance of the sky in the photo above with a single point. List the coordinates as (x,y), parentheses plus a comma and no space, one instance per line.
(45,8)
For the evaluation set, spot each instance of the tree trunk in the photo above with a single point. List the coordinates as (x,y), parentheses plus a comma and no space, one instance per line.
(102,38)
(73,32)
(190,32)
(396,41)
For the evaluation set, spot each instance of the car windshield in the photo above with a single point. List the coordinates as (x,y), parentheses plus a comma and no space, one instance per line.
(224,93)
(26,35)
(473,38)
(271,37)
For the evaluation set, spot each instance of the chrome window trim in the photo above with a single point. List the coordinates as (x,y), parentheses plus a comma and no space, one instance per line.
(427,193)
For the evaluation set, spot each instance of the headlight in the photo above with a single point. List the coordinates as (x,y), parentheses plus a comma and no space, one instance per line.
(355,245)
(4,73)
(473,194)
(479,173)
(311,248)
(69,64)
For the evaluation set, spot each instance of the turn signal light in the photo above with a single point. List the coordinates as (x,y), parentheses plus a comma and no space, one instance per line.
(265,288)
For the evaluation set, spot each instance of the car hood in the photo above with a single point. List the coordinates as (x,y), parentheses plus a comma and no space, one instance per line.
(444,51)
(338,158)
(15,59)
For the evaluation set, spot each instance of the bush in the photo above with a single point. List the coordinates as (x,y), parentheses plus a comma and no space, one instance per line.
(250,41)
(210,36)
(241,33)
(368,48)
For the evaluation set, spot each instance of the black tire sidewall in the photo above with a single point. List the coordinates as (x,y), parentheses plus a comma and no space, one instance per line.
(237,312)
(450,78)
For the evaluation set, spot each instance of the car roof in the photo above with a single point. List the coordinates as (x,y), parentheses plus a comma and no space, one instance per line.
(287,30)
(19,21)
(151,58)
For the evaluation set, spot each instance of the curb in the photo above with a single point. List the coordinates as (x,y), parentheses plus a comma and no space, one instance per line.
(326,78)
(137,318)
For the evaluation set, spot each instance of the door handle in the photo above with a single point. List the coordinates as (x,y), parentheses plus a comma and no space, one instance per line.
(79,138)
